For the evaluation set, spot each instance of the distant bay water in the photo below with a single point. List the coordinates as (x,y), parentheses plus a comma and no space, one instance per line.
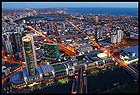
(105,11)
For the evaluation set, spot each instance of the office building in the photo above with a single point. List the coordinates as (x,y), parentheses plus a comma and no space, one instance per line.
(51,50)
(29,53)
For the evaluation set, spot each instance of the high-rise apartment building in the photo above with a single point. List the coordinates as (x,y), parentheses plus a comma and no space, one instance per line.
(113,39)
(96,19)
(6,43)
(18,45)
(117,36)
(18,41)
(30,55)
(98,33)
(120,35)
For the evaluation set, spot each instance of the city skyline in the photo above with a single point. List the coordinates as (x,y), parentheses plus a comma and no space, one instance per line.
(69,4)
(70,50)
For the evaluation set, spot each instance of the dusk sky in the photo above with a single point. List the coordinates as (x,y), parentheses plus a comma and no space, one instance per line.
(68,4)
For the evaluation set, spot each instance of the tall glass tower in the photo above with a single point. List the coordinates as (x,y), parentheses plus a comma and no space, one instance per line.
(29,53)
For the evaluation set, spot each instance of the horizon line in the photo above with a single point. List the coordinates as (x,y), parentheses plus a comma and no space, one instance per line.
(69,7)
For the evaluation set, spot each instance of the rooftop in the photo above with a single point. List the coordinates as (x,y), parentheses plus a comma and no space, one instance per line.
(85,46)
(50,43)
(46,68)
(13,65)
(132,49)
(93,52)
(17,78)
(26,38)
(133,58)
(38,72)
(58,67)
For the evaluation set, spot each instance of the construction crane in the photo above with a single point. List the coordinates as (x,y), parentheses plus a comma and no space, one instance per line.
(68,50)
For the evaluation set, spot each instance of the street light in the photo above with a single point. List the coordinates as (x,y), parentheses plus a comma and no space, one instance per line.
(105,51)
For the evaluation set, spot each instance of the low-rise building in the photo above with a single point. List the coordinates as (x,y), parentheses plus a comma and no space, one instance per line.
(34,79)
(47,71)
(129,57)
(60,71)
(17,80)
(125,55)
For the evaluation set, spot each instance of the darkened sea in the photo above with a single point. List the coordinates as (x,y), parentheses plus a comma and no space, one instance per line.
(105,11)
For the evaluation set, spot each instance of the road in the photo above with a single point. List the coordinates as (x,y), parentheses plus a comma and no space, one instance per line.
(67,50)
(14,71)
(132,71)
(80,82)
(108,51)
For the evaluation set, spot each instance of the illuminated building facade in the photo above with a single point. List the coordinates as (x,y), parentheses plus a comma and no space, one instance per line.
(96,19)
(51,50)
(60,70)
(12,44)
(120,35)
(113,39)
(47,71)
(85,48)
(29,53)
(6,43)
(17,80)
(98,34)
(16,41)
(117,36)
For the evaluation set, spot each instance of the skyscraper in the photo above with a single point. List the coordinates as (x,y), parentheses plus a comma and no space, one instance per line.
(6,43)
(120,35)
(51,50)
(117,36)
(29,53)
(113,39)
(98,34)
(18,41)
(96,19)
(18,45)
